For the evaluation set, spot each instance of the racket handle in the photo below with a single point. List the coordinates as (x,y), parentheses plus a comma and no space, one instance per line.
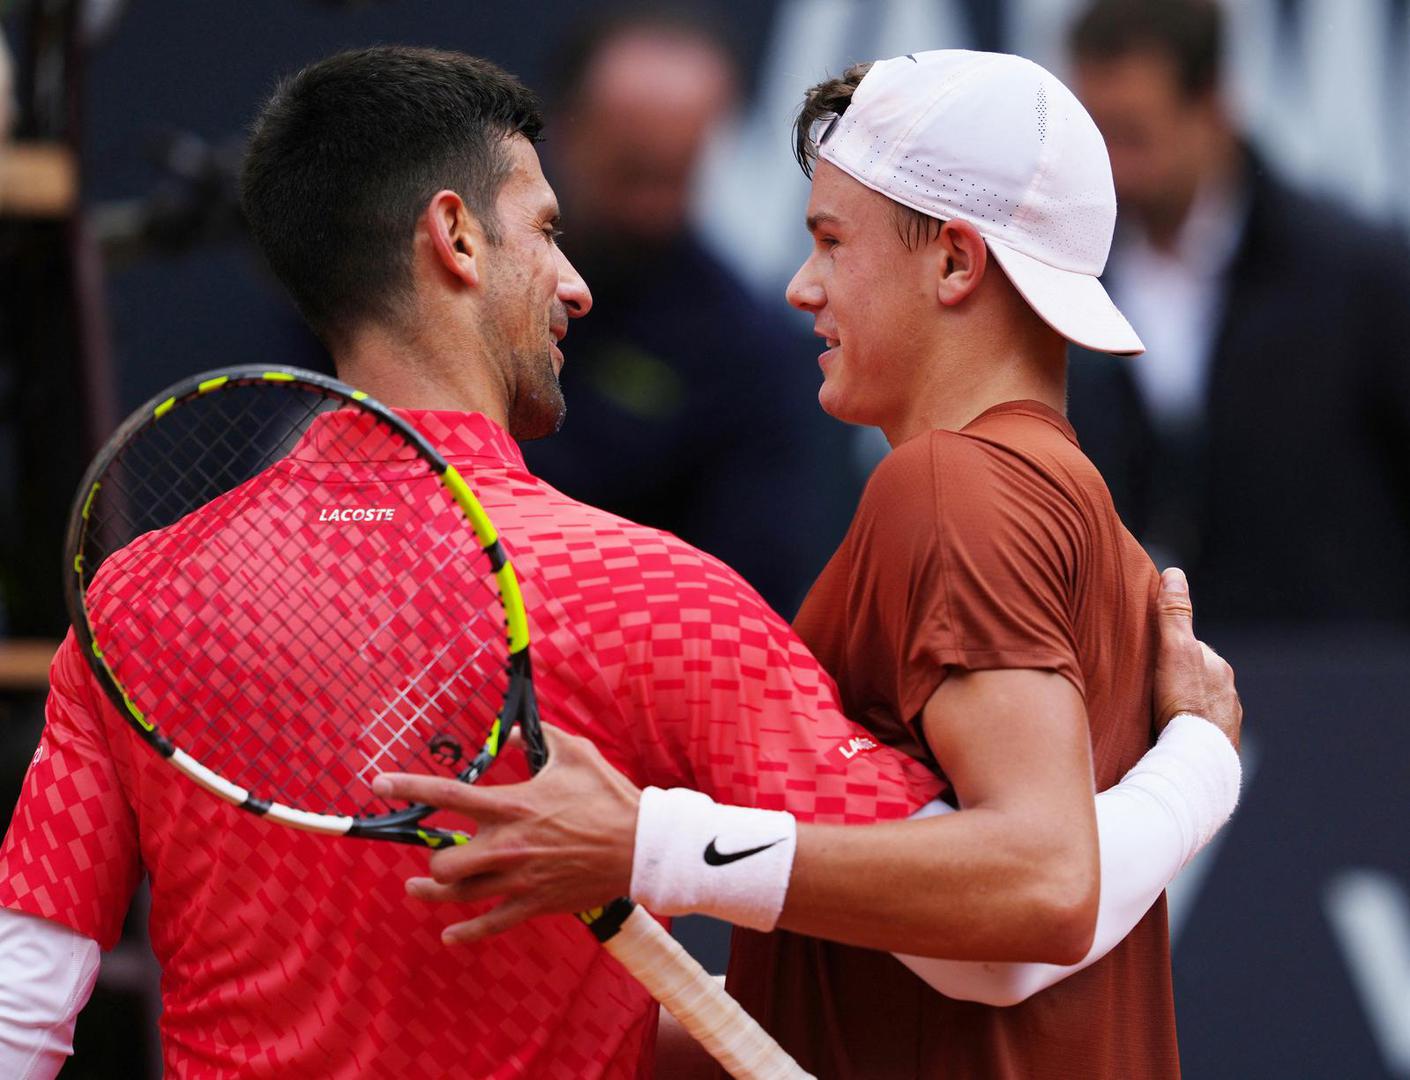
(699,1002)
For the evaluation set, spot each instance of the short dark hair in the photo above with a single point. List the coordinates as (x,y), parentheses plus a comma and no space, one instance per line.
(1190,33)
(346,154)
(826,101)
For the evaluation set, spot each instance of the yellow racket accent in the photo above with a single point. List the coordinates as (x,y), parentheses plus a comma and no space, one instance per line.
(88,502)
(212,384)
(137,713)
(492,743)
(131,708)
(479,520)
(278,376)
(164,408)
(358,395)
(513,608)
(433,841)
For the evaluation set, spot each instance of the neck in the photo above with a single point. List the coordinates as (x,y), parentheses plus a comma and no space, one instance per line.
(1027,364)
(421,368)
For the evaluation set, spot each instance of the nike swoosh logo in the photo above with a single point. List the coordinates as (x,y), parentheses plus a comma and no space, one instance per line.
(715,857)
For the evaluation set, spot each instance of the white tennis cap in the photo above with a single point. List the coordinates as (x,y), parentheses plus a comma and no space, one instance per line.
(998,141)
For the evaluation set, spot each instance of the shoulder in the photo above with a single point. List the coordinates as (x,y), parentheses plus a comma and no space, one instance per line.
(588,553)
(1011,463)
(1012,484)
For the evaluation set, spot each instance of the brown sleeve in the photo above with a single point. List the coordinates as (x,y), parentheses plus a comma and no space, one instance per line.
(975,554)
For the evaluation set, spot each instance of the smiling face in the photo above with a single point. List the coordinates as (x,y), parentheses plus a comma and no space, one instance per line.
(872,298)
(531,291)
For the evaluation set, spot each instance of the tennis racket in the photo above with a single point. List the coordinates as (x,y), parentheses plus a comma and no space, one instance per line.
(286,590)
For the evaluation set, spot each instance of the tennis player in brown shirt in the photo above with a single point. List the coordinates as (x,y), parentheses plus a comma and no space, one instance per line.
(987,612)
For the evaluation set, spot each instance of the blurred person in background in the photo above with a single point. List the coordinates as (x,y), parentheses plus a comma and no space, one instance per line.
(692,402)
(7,93)
(1261,441)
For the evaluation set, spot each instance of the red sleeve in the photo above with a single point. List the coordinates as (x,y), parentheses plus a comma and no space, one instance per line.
(730,702)
(975,553)
(71,853)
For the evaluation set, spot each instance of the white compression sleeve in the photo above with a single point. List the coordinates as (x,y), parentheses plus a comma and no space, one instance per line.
(47,972)
(1149,827)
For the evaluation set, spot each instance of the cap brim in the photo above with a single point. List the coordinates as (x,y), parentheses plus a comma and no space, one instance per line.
(1073,304)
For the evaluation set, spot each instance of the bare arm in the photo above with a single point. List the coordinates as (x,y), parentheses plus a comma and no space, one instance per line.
(565,841)
(1015,877)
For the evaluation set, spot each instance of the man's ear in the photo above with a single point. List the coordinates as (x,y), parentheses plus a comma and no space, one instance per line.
(963,260)
(455,235)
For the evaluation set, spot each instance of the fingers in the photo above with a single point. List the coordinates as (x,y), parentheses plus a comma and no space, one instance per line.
(1174,601)
(555,742)
(561,745)
(485,805)
(509,913)
(463,891)
(495,921)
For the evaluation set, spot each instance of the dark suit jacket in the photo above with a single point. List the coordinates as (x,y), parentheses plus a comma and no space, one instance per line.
(1292,500)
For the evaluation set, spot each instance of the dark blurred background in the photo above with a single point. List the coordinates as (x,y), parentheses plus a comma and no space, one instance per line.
(1263,443)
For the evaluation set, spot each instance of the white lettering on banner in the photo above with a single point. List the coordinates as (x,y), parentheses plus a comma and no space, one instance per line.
(356,513)
(1370,915)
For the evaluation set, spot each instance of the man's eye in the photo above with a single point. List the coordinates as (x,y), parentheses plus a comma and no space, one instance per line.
(554,235)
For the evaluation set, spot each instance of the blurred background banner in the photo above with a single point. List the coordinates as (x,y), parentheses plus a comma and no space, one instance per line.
(1263,443)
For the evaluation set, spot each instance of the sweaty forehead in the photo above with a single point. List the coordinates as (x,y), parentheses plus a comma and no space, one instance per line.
(526,186)
(837,196)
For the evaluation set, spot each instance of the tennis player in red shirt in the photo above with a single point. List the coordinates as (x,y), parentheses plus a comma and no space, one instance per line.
(987,613)
(398,195)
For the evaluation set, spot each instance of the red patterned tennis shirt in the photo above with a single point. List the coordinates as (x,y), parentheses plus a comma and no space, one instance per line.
(286,954)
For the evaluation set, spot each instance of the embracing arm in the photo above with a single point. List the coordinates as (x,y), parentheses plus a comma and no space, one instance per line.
(47,972)
(569,838)
(1015,877)
(1149,828)
(573,836)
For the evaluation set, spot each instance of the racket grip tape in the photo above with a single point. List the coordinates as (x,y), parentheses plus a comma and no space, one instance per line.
(699,1002)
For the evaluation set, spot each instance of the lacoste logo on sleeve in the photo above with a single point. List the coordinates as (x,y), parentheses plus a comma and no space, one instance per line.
(715,857)
(857,744)
(356,513)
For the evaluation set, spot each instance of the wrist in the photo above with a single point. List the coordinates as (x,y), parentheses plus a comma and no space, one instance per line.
(624,833)
(694,856)
(1194,772)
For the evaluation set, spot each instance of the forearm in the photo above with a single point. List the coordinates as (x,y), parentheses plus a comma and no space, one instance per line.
(47,972)
(961,887)
(985,884)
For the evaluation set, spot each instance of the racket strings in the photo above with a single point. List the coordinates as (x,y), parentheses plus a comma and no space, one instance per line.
(208,426)
(295,657)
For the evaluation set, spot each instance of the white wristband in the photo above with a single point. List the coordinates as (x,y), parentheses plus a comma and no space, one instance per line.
(1194,772)
(694,856)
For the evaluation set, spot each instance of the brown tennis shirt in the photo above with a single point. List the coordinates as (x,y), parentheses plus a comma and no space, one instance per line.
(993,547)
